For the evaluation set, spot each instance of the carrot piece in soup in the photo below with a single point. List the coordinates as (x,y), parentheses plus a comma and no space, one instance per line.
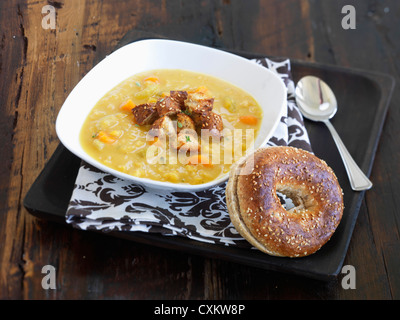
(152,79)
(105,137)
(127,106)
(250,120)
(202,89)
(200,159)
(155,141)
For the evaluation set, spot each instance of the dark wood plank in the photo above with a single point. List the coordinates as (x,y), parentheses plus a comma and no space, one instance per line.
(13,56)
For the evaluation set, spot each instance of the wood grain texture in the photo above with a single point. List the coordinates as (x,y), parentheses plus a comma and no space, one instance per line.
(38,69)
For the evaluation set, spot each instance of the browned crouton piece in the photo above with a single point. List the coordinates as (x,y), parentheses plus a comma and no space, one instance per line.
(145,114)
(163,126)
(204,118)
(184,122)
(198,115)
(193,106)
(198,101)
(168,106)
(180,97)
(212,122)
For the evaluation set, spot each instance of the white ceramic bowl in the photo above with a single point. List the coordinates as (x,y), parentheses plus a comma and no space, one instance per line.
(265,86)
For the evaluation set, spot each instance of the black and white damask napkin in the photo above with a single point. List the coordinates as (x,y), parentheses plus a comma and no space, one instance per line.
(101,201)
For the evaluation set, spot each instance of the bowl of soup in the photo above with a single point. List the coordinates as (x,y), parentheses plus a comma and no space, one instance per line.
(170,114)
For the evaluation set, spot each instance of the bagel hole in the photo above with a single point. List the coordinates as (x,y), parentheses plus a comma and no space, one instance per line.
(294,198)
(286,202)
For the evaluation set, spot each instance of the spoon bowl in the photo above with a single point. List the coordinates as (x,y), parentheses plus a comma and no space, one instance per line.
(317,102)
(315,99)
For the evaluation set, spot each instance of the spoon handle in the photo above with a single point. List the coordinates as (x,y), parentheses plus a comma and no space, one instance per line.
(358,180)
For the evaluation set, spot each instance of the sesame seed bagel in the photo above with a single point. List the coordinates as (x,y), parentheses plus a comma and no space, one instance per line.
(258,215)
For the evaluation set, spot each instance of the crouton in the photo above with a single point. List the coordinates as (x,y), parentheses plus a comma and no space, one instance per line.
(211,124)
(145,114)
(168,106)
(163,126)
(198,101)
(179,96)
(184,122)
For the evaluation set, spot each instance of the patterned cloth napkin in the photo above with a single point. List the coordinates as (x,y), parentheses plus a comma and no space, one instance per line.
(101,201)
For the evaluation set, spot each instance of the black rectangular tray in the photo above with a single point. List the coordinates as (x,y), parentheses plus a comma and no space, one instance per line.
(363,99)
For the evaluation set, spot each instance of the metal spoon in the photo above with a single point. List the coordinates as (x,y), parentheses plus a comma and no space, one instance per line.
(317,102)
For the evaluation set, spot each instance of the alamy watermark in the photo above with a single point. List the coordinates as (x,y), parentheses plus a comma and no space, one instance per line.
(49,280)
(349,20)
(349,278)
(49,20)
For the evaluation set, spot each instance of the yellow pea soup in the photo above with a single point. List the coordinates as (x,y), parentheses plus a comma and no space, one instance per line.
(110,135)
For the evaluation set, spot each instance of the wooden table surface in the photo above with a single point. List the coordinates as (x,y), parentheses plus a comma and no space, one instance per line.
(38,69)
